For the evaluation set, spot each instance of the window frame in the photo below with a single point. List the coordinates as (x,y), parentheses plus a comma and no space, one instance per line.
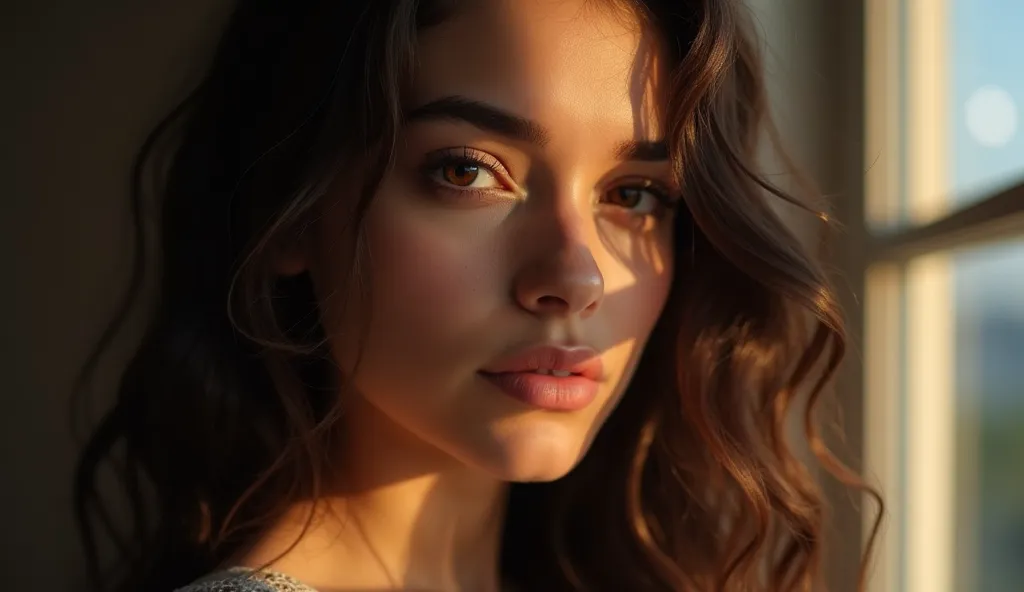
(905,394)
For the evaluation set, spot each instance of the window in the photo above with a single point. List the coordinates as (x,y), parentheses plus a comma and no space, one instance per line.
(944,298)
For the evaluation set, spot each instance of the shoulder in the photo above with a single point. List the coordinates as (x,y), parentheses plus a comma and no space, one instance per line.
(238,580)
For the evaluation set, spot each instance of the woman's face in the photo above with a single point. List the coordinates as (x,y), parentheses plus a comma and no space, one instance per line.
(525,228)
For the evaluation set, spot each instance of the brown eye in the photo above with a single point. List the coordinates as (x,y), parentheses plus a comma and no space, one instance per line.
(626,197)
(465,169)
(460,174)
(638,199)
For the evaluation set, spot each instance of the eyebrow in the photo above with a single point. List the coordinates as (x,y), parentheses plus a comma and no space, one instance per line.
(484,116)
(642,150)
(494,119)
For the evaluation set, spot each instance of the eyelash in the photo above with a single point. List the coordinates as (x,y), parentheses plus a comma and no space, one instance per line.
(666,202)
(468,156)
(464,156)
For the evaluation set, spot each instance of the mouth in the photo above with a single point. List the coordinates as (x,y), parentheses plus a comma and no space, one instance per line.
(547,392)
(561,362)
(549,378)
(558,373)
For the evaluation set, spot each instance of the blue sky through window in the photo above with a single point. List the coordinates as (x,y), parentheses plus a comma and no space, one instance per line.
(987,110)
(986,152)
(986,149)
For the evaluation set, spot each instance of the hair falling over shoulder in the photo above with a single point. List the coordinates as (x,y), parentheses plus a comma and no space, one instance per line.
(221,417)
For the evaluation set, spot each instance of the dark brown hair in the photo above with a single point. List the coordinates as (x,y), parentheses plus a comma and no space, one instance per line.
(222,414)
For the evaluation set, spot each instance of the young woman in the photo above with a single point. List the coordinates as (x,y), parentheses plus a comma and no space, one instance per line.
(471,295)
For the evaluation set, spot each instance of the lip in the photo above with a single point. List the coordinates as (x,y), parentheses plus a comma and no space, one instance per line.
(518,378)
(582,361)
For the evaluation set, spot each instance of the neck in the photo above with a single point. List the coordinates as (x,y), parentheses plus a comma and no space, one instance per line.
(406,516)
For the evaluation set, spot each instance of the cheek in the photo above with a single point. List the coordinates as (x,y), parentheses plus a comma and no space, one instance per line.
(417,275)
(637,291)
(436,278)
(426,273)
(632,314)
(420,278)
(638,277)
(658,279)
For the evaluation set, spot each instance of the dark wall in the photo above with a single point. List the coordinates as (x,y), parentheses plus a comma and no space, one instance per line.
(84,80)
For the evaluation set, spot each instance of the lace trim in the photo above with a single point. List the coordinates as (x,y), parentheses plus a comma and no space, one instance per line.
(244,579)
(277,580)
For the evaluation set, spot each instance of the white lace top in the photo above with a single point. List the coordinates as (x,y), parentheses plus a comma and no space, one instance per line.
(241,579)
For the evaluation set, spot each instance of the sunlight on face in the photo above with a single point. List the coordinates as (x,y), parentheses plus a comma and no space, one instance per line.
(531,204)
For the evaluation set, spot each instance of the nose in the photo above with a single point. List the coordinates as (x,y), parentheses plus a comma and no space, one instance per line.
(562,279)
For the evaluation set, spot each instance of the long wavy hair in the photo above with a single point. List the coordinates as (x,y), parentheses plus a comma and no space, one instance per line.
(222,415)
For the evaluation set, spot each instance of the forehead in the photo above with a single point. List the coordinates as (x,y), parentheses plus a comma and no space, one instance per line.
(579,67)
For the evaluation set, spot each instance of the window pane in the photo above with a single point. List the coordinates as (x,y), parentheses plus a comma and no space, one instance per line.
(989,368)
(986,61)
(945,105)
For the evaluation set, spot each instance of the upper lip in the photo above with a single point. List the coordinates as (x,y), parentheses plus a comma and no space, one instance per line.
(581,360)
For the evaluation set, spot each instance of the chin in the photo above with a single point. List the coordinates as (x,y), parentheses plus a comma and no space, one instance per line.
(533,470)
(534,453)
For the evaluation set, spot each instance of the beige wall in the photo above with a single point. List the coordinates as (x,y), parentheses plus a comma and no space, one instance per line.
(85,82)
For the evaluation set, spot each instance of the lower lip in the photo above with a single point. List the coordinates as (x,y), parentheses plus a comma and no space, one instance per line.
(545,391)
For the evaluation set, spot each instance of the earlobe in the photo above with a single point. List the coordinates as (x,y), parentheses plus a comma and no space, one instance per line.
(290,263)
(290,259)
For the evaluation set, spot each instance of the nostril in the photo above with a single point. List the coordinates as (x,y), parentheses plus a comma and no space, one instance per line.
(552,303)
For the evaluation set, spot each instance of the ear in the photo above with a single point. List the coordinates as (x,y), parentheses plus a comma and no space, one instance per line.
(290,257)
(289,264)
